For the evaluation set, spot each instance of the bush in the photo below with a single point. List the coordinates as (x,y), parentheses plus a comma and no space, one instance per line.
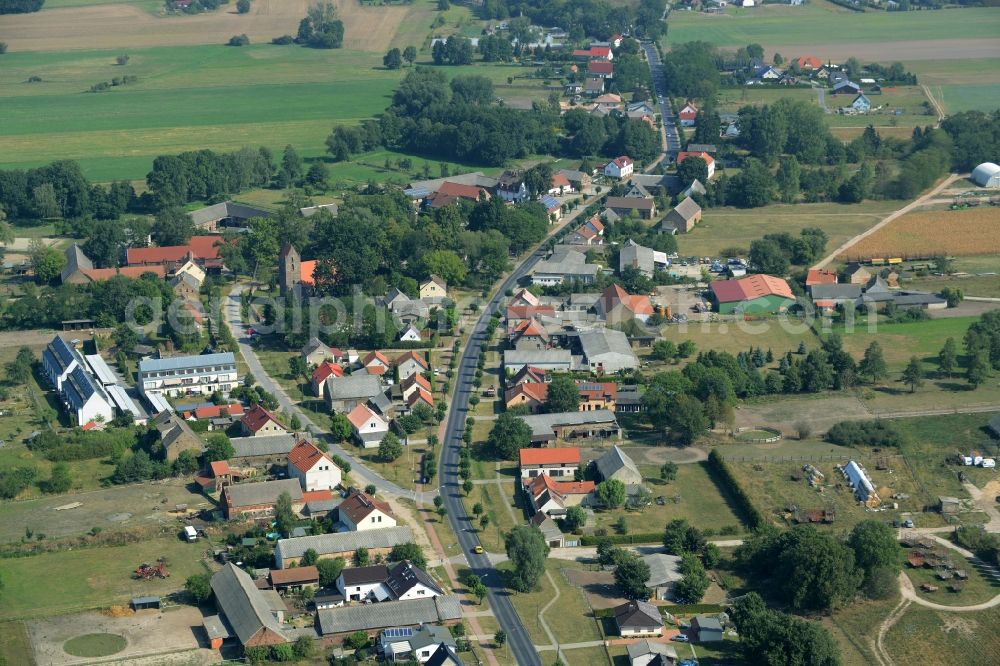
(639,537)
(284,40)
(868,433)
(243,6)
(239,40)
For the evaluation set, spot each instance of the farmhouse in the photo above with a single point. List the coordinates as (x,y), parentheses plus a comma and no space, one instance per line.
(254,615)
(552,498)
(547,428)
(360,511)
(624,206)
(638,618)
(682,218)
(313,468)
(616,305)
(380,583)
(263,450)
(752,294)
(345,393)
(343,544)
(176,435)
(551,462)
(555,360)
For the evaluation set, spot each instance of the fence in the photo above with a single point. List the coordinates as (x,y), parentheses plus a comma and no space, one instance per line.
(782,459)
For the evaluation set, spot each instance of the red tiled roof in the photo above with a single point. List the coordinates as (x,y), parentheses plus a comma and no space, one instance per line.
(419,358)
(683,155)
(808,62)
(544,482)
(622,162)
(526,296)
(749,288)
(534,390)
(420,395)
(217,411)
(134,272)
(820,276)
(529,311)
(371,357)
(600,51)
(305,455)
(258,417)
(202,247)
(637,304)
(531,327)
(360,415)
(600,67)
(559,180)
(220,468)
(358,505)
(316,495)
(419,380)
(458,190)
(306,271)
(325,369)
(549,456)
(598,391)
(294,575)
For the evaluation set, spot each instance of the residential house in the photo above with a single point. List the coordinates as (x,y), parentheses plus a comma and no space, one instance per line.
(638,618)
(553,498)
(365,617)
(84,397)
(323,372)
(410,334)
(616,305)
(861,104)
(625,206)
(421,396)
(682,218)
(414,384)
(315,352)
(376,363)
(533,396)
(342,544)
(640,110)
(688,114)
(530,334)
(593,86)
(651,653)
(555,360)
(518,314)
(565,264)
(550,531)
(694,188)
(548,428)
(808,63)
(511,187)
(531,375)
(615,464)
(664,574)
(370,428)
(620,168)
(406,644)
(253,615)
(597,395)
(451,192)
(559,184)
(556,463)
(768,74)
(433,288)
(820,276)
(601,69)
(606,350)
(259,422)
(706,629)
(258,499)
(645,260)
(364,584)
(188,375)
(360,511)
(345,393)
(708,159)
(314,469)
(857,274)
(754,294)
(579,180)
(590,232)
(185,287)
(411,363)
(846,87)
(176,436)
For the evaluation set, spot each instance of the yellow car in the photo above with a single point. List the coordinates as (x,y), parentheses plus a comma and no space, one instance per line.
(478,550)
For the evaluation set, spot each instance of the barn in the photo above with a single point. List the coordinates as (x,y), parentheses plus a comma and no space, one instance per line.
(987,174)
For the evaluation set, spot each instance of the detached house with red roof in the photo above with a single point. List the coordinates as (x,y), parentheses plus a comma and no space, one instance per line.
(553,498)
(322,373)
(754,294)
(616,305)
(808,63)
(620,168)
(556,462)
(360,511)
(708,159)
(370,427)
(412,384)
(313,468)
(601,69)
(411,363)
(530,334)
(688,114)
(530,394)
(376,363)
(259,422)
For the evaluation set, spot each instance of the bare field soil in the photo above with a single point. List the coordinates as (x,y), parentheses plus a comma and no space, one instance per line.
(127,26)
(929,233)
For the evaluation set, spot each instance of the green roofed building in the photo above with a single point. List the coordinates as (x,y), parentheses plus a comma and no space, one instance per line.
(754,294)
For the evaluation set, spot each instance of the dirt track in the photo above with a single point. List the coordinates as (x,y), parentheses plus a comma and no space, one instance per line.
(127,26)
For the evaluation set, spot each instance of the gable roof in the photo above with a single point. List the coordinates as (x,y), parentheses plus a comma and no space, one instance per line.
(389,614)
(601,67)
(375,356)
(412,355)
(622,161)
(202,247)
(687,209)
(544,483)
(436,280)
(445,655)
(314,345)
(342,542)
(264,492)
(684,154)
(418,379)
(638,614)
(613,461)
(305,455)
(533,390)
(76,260)
(258,417)
(358,505)
(404,577)
(751,287)
(376,573)
(637,304)
(353,386)
(361,415)
(530,328)
(808,62)
(243,604)
(302,574)
(326,369)
(820,276)
(554,456)
(271,445)
(420,395)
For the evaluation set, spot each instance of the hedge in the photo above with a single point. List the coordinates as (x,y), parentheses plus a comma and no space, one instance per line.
(749,514)
(641,537)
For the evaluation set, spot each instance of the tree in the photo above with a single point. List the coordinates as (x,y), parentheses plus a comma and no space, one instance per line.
(393,59)
(410,54)
(329,570)
(467,486)
(185,464)
(284,516)
(611,493)
(243,6)
(679,537)
(447,265)
(321,29)
(291,165)
(691,169)
(173,226)
(218,447)
(664,350)
(508,435)
(694,581)
(563,395)
(877,552)
(239,40)
(575,518)
(766,256)
(500,637)
(686,420)
(771,637)
(318,174)
(309,558)
(686,349)
(125,337)
(527,550)
(812,570)
(668,471)
(408,551)
(199,586)
(788,178)
(631,576)
(948,357)
(873,364)
(361,557)
(390,448)
(913,374)
(61,479)
(46,261)
(979,369)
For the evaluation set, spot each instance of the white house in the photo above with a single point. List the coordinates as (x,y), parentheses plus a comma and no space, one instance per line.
(557,463)
(411,334)
(861,103)
(620,168)
(407,581)
(364,583)
(188,375)
(86,399)
(411,363)
(313,468)
(360,511)
(370,428)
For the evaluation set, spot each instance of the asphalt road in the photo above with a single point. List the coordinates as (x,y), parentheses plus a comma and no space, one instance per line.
(517,636)
(666,111)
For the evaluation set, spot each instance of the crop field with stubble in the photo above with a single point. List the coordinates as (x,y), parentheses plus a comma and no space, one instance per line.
(932,233)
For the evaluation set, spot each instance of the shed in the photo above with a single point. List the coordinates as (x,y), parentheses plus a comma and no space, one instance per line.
(949,506)
(216,629)
(706,629)
(145,603)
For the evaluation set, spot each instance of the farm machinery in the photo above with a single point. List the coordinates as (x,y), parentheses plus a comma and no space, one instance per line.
(151,571)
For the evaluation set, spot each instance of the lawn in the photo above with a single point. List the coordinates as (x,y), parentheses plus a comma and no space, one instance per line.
(937,638)
(92,577)
(975,590)
(15,646)
(855,628)
(493,499)
(95,645)
(723,228)
(779,336)
(818,23)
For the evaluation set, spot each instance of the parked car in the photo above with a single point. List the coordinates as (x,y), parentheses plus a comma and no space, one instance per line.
(679,638)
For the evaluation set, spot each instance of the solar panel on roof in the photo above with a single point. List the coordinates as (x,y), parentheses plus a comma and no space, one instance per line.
(398,632)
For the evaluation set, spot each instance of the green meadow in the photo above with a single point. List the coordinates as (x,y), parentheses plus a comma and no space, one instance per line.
(821,22)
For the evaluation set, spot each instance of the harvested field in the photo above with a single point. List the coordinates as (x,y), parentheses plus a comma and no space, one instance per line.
(366,28)
(930,233)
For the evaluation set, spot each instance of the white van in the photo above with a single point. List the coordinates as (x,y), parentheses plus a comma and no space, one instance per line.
(190,534)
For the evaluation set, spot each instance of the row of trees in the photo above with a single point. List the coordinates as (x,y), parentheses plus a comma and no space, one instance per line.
(597,19)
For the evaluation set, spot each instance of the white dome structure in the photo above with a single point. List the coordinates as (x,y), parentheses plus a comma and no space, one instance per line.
(987,174)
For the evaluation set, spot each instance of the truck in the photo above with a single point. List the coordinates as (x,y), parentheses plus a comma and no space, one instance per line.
(190,534)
